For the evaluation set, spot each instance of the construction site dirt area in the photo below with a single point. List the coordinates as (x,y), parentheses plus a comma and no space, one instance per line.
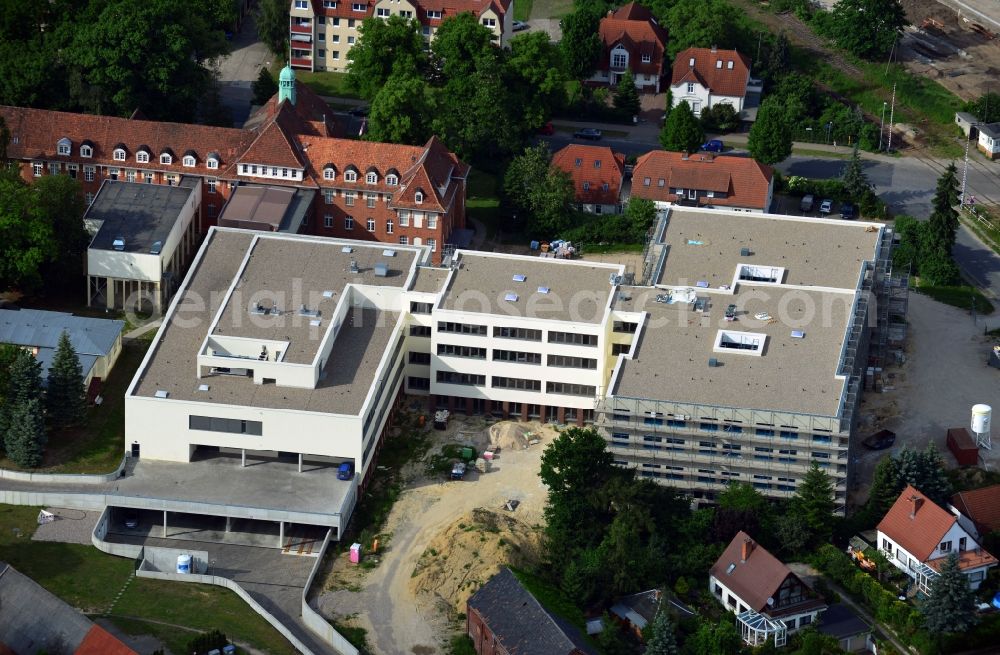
(944,373)
(444,538)
(953,46)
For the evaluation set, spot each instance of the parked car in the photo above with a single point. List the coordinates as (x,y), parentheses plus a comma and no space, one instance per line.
(547,129)
(807,203)
(520,25)
(358,111)
(132,520)
(880,440)
(847,211)
(826,207)
(346,471)
(591,133)
(458,471)
(712,146)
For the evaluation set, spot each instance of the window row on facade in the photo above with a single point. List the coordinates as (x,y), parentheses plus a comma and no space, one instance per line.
(500,382)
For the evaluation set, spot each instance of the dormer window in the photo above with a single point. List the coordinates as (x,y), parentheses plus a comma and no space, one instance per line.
(691,62)
(597,163)
(418,197)
(166,159)
(142,155)
(86,149)
(391,180)
(212,161)
(64,146)
(119,154)
(189,161)
(329,172)
(351,176)
(371,178)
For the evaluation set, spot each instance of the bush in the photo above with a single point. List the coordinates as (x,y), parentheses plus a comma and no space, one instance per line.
(206,642)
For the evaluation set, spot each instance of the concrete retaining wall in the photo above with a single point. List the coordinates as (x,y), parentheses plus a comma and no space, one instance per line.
(101,531)
(63,478)
(239,591)
(72,500)
(164,560)
(312,618)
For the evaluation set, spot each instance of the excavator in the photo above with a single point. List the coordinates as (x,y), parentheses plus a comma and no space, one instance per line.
(856,549)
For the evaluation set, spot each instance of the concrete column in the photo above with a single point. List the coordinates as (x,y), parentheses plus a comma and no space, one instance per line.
(110,293)
(561,415)
(228,524)
(300,462)
(524,411)
(281,534)
(159,298)
(90,296)
(243,453)
(164,523)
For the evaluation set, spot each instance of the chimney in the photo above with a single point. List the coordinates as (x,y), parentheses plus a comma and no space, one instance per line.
(685,155)
(714,48)
(917,503)
(747,549)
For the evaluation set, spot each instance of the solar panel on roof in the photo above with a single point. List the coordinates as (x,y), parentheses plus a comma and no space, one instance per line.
(543,289)
(519,278)
(347,249)
(160,393)
(510,297)
(798,334)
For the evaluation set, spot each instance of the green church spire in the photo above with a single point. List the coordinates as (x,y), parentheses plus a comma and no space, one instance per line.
(286,85)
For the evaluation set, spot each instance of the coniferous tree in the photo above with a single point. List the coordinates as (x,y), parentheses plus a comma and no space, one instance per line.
(856,183)
(626,95)
(25,438)
(924,470)
(682,131)
(814,501)
(886,485)
(263,87)
(661,640)
(23,384)
(951,606)
(66,397)
(770,138)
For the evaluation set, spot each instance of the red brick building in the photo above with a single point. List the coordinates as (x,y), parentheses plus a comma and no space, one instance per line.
(597,174)
(632,40)
(375,191)
(703,180)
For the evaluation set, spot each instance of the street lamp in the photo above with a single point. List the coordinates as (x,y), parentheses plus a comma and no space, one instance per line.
(810,131)
(881,125)
(828,127)
(965,170)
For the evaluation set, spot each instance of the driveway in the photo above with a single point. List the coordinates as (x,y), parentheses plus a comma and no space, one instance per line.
(238,69)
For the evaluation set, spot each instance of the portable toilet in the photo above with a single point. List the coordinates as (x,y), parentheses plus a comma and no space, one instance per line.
(184,564)
(355,553)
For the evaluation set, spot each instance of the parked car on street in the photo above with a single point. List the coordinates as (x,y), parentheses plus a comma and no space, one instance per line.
(826,207)
(807,203)
(847,211)
(712,146)
(458,471)
(591,133)
(520,25)
(346,471)
(547,129)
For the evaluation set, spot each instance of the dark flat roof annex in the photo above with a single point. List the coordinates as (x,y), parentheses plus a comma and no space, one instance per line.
(140,214)
(253,207)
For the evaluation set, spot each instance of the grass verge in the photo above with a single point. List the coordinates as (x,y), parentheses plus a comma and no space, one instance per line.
(358,637)
(963,297)
(483,201)
(98,445)
(605,248)
(522,9)
(326,83)
(985,225)
(549,8)
(184,604)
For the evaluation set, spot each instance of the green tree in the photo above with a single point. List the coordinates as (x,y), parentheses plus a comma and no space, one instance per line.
(626,95)
(951,606)
(885,489)
(24,439)
(986,107)
(942,227)
(22,383)
(536,79)
(610,640)
(264,87)
(385,47)
(770,139)
(868,28)
(458,48)
(814,501)
(272,26)
(792,532)
(576,462)
(682,132)
(640,214)
(714,639)
(539,189)
(399,112)
(58,202)
(855,180)
(27,239)
(65,396)
(925,471)
(581,42)
(741,507)
(720,118)
(661,640)
(700,24)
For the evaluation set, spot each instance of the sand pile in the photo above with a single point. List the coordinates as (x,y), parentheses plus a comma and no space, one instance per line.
(509,435)
(470,551)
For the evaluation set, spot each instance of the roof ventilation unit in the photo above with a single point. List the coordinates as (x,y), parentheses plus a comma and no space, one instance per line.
(156,248)
(712,362)
(118,244)
(305,311)
(353,267)
(347,249)
(328,294)
(381,270)
(389,253)
(519,278)
(160,393)
(510,297)
(745,252)
(798,334)
(202,387)
(543,289)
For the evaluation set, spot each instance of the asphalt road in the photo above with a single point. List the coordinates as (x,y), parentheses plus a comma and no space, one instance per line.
(241,67)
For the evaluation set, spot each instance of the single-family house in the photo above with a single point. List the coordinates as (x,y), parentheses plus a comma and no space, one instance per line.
(504,618)
(989,139)
(597,174)
(97,341)
(703,180)
(981,506)
(769,601)
(706,77)
(632,40)
(917,536)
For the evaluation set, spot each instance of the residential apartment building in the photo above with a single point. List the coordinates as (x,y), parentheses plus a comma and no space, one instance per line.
(322,32)
(597,173)
(706,77)
(703,180)
(364,190)
(634,41)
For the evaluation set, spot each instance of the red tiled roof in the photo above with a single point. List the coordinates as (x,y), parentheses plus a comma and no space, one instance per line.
(980,505)
(275,146)
(637,31)
(744,180)
(101,642)
(722,80)
(921,533)
(314,114)
(967,559)
(755,579)
(596,166)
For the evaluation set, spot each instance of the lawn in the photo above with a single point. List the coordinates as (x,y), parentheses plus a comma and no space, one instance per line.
(522,9)
(483,201)
(985,224)
(185,604)
(961,297)
(326,83)
(99,444)
(548,8)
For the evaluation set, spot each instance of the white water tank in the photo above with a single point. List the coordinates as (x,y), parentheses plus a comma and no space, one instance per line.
(184,564)
(981,418)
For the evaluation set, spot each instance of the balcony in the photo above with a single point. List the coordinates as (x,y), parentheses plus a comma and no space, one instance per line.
(302,29)
(301,62)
